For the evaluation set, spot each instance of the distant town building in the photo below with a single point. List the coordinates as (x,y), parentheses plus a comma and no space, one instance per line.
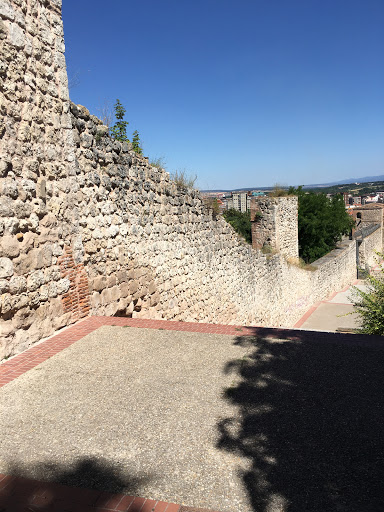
(241,201)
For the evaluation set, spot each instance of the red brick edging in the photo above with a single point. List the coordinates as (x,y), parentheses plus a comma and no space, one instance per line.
(313,308)
(37,354)
(10,370)
(22,494)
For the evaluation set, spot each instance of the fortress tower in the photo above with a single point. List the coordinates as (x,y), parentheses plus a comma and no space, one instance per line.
(274,224)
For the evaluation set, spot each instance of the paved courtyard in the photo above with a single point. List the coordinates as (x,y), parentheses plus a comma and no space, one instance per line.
(227,418)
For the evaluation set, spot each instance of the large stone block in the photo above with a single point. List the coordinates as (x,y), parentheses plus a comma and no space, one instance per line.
(115,293)
(9,247)
(4,286)
(122,276)
(23,318)
(99,283)
(17,284)
(124,290)
(106,296)
(16,36)
(6,10)
(6,267)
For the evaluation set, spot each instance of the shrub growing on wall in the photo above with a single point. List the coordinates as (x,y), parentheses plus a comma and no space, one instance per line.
(158,161)
(213,204)
(136,143)
(119,129)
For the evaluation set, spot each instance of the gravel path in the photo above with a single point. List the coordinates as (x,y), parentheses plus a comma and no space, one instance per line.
(235,424)
(129,409)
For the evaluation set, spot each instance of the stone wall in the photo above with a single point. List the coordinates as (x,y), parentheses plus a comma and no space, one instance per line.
(368,215)
(89,227)
(36,153)
(370,241)
(120,238)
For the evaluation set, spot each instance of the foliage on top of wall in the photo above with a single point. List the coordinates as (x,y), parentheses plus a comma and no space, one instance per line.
(213,204)
(158,161)
(322,222)
(119,129)
(300,263)
(105,112)
(136,143)
(280,191)
(241,222)
(183,180)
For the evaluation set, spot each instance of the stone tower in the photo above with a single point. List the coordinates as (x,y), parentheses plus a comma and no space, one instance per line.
(274,224)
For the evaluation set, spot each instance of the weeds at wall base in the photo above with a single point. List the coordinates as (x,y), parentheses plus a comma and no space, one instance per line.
(300,263)
(268,250)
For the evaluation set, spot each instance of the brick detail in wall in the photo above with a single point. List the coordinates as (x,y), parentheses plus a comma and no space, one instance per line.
(76,299)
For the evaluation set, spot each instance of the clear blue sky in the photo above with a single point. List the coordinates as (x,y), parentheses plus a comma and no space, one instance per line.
(241,93)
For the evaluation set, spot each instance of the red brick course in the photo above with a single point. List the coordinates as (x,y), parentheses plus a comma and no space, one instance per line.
(76,299)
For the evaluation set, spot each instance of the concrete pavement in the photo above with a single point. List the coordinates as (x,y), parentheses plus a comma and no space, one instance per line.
(335,314)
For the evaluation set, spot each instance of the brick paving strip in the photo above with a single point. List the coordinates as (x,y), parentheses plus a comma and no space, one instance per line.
(22,494)
(25,495)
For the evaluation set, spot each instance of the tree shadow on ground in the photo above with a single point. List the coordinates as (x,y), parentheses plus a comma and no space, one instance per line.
(310,423)
(47,487)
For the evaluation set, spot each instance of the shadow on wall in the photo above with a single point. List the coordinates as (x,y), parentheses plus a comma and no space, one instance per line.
(311,424)
(46,492)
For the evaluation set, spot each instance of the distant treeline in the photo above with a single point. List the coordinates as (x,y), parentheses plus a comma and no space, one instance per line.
(356,190)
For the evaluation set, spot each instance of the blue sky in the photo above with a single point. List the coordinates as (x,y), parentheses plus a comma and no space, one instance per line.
(242,94)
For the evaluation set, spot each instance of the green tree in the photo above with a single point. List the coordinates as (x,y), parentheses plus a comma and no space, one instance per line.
(241,222)
(369,305)
(136,143)
(119,130)
(322,222)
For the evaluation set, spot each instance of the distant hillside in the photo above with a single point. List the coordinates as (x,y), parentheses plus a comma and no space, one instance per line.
(350,181)
(366,179)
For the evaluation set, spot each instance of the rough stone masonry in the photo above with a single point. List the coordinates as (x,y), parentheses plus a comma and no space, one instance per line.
(89,227)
